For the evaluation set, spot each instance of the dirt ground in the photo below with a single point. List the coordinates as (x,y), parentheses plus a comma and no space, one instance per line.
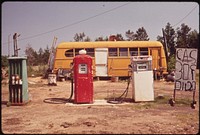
(158,117)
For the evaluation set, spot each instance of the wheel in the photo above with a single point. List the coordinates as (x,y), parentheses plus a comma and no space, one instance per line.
(171,102)
(8,104)
(193,104)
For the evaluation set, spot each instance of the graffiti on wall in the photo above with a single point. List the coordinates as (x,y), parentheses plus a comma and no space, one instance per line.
(186,63)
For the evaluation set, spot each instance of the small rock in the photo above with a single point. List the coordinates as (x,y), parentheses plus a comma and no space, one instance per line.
(66,124)
(88,123)
(50,125)
(161,96)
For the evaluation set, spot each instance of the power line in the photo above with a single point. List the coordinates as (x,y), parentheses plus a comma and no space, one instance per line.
(86,19)
(185,16)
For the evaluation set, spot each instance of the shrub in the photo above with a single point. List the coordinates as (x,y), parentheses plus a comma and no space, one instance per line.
(171,63)
(37,70)
(4,61)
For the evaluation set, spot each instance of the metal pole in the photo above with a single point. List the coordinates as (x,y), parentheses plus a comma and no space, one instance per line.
(194,97)
(193,104)
(16,46)
(9,45)
(14,40)
(174,95)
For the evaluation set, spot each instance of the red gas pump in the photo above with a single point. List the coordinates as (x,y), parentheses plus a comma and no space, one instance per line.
(83,79)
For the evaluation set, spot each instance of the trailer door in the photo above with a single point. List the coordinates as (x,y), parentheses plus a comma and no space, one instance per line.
(101,60)
(155,53)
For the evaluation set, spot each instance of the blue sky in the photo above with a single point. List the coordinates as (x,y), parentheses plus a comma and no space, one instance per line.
(38,22)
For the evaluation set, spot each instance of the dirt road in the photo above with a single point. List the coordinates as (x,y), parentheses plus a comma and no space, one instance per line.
(156,117)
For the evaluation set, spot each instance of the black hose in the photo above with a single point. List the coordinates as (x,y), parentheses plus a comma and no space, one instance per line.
(61,100)
(120,100)
(72,90)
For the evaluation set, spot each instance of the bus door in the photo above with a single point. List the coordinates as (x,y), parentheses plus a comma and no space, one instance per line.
(101,60)
(155,53)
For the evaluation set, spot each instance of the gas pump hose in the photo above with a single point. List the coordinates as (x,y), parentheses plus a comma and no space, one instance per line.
(61,100)
(120,100)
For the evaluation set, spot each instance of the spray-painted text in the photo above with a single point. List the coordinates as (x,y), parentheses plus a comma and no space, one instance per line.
(186,61)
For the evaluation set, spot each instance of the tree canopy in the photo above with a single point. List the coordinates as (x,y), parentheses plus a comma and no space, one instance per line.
(182,37)
(37,58)
(173,38)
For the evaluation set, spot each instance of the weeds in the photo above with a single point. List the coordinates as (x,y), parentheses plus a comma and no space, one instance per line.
(36,71)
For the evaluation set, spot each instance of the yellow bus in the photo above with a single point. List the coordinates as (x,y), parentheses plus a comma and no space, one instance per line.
(110,58)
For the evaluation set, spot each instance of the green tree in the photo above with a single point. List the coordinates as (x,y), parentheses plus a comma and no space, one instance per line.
(101,38)
(194,42)
(119,37)
(160,39)
(141,35)
(170,36)
(183,36)
(31,56)
(46,54)
(193,39)
(76,37)
(4,61)
(40,52)
(87,39)
(79,37)
(130,35)
(40,56)
(171,63)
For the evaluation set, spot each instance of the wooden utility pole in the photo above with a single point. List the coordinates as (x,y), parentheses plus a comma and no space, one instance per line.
(165,46)
(52,50)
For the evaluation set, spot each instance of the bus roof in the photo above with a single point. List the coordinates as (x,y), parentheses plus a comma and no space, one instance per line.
(107,44)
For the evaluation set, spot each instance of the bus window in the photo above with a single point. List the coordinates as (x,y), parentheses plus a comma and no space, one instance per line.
(123,51)
(133,51)
(69,53)
(112,51)
(77,51)
(90,51)
(143,51)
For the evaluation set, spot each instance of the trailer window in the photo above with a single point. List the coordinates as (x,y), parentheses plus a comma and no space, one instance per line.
(77,51)
(143,51)
(69,53)
(90,51)
(123,51)
(112,51)
(133,51)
